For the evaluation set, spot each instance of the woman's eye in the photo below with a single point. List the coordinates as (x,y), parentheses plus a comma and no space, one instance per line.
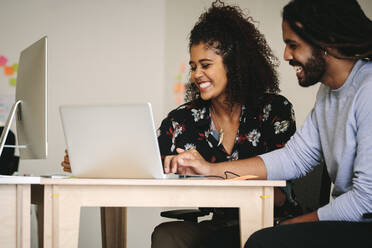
(192,68)
(205,66)
(292,46)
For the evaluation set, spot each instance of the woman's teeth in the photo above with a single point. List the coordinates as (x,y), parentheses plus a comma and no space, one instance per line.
(204,85)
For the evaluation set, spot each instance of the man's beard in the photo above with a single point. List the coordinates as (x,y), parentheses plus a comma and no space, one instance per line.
(314,68)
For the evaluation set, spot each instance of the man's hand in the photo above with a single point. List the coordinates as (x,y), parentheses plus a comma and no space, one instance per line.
(310,217)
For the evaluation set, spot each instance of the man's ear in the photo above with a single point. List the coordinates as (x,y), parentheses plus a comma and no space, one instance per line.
(332,52)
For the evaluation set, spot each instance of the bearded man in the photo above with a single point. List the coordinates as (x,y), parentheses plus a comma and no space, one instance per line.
(326,41)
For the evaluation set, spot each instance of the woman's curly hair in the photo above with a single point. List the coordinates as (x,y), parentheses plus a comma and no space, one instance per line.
(250,63)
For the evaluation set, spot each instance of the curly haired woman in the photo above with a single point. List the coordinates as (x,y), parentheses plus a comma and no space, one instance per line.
(234,112)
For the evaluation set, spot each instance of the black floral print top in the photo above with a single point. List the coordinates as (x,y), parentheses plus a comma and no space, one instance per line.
(267,128)
(189,126)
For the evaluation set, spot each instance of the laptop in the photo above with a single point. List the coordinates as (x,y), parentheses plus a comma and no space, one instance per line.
(112,141)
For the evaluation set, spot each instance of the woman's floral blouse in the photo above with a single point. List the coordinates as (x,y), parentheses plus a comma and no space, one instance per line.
(266,129)
(189,126)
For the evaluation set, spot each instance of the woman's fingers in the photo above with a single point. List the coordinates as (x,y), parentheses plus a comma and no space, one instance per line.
(167,164)
(66,162)
(174,164)
(66,166)
(186,162)
(192,160)
(180,150)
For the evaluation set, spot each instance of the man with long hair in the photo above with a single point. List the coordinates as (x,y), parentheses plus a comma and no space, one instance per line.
(327,41)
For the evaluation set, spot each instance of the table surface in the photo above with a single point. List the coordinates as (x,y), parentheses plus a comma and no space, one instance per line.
(62,210)
(154,182)
(162,182)
(67,196)
(19,180)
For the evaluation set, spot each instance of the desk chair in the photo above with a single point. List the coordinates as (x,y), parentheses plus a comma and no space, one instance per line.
(367,216)
(8,161)
(312,192)
(187,214)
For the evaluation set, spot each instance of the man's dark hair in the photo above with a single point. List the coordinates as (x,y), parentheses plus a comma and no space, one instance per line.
(338,24)
(249,62)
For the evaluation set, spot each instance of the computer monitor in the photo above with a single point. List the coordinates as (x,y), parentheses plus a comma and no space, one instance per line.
(30,107)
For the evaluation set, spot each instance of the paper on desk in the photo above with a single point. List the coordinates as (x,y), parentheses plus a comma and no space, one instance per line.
(246,177)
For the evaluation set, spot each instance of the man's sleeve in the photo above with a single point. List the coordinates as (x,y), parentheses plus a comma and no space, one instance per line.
(351,205)
(300,154)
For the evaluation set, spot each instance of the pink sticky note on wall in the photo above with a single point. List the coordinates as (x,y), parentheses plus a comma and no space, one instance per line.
(3,60)
(182,67)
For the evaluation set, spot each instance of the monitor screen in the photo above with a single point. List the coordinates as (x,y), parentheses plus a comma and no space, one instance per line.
(30,108)
(31,90)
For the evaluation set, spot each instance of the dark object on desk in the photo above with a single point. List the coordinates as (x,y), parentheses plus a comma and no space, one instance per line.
(312,192)
(8,162)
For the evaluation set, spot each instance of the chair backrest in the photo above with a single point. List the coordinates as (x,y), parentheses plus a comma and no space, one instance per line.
(313,190)
(8,162)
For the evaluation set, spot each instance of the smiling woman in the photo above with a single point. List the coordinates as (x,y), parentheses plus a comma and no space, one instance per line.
(233,112)
(208,72)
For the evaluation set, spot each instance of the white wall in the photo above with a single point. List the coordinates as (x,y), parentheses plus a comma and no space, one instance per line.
(120,51)
(99,52)
(266,13)
(182,15)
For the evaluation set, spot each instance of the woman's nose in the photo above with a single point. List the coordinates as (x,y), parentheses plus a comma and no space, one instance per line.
(287,54)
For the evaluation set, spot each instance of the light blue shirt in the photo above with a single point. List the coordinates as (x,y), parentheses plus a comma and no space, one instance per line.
(338,130)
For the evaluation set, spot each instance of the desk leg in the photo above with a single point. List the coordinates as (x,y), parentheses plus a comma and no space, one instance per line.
(268,207)
(66,218)
(48,216)
(23,215)
(257,214)
(8,215)
(113,226)
(15,221)
(37,197)
(41,195)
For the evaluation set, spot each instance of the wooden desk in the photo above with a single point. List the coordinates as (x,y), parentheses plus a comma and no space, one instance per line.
(63,199)
(15,206)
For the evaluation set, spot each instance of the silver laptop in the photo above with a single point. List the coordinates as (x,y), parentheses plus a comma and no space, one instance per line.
(112,141)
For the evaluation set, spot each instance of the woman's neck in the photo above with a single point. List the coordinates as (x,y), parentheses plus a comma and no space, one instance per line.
(225,110)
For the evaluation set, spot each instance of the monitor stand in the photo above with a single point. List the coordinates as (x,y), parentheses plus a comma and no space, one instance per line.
(6,129)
